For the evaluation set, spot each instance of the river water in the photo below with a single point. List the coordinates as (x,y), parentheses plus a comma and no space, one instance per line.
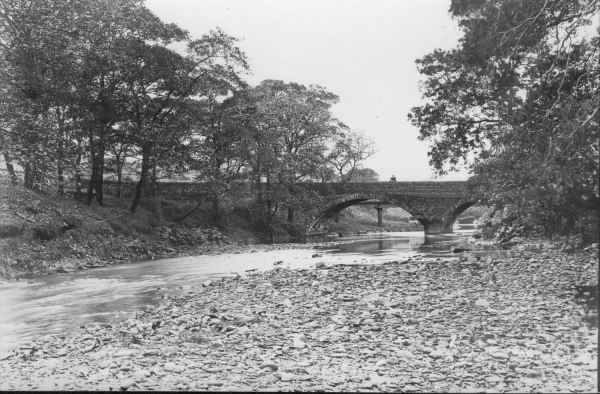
(60,304)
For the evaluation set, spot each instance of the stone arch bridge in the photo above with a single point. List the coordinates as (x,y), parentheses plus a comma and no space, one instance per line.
(436,205)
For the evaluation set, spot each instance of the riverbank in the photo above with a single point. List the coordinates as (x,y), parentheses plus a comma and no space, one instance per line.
(42,234)
(361,220)
(45,235)
(514,320)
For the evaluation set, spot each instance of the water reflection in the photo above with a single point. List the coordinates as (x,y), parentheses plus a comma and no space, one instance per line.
(588,296)
(409,244)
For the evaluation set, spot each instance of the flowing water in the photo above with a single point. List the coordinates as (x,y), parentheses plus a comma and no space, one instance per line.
(59,304)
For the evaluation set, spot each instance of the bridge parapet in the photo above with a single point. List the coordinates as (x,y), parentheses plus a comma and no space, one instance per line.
(432,189)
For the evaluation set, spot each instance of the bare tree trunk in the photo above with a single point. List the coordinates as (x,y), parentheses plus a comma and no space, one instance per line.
(272,208)
(78,175)
(100,177)
(119,179)
(36,177)
(97,169)
(143,176)
(151,189)
(94,174)
(92,183)
(119,173)
(29,181)
(61,154)
(269,217)
(41,177)
(10,168)
(215,208)
(59,170)
(61,180)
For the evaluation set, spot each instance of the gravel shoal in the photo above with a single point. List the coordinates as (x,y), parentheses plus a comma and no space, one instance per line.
(518,321)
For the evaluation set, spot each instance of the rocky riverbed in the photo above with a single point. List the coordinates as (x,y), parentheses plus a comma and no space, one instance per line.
(511,321)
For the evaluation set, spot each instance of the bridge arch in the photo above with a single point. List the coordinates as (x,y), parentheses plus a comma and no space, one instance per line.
(457,208)
(445,222)
(336,206)
(433,224)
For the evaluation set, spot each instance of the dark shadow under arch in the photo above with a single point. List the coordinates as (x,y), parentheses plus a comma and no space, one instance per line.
(456,209)
(441,222)
(338,205)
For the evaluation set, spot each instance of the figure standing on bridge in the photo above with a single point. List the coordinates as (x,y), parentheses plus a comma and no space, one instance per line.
(393,179)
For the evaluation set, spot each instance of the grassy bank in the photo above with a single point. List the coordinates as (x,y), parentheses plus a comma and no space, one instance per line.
(360,219)
(42,234)
(516,321)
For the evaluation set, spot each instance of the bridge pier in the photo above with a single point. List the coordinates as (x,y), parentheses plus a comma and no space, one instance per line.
(379,216)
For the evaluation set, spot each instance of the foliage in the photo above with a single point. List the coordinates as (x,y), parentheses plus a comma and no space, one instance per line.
(351,148)
(517,104)
(289,126)
(82,77)
(364,175)
(87,85)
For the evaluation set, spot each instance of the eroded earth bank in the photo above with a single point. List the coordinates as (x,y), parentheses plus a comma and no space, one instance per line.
(511,321)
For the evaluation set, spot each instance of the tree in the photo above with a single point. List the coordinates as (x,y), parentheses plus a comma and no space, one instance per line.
(120,148)
(364,175)
(65,62)
(291,125)
(221,154)
(35,51)
(83,77)
(351,148)
(212,61)
(517,104)
(121,70)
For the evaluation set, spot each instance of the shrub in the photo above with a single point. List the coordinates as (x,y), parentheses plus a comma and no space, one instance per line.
(119,226)
(141,227)
(8,230)
(45,232)
(72,221)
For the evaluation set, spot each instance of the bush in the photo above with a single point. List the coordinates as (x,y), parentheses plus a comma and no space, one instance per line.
(9,246)
(72,221)
(141,227)
(119,226)
(9,230)
(45,232)
(153,205)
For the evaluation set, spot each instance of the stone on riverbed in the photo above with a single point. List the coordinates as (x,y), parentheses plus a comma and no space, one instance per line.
(274,331)
(125,353)
(500,355)
(269,364)
(404,354)
(124,385)
(172,367)
(482,302)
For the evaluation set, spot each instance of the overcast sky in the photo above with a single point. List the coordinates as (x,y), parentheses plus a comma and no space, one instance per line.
(362,50)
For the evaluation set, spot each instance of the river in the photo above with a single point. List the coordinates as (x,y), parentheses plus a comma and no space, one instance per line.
(60,304)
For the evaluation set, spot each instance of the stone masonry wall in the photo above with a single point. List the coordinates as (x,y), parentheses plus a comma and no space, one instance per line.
(170,190)
(430,189)
(192,190)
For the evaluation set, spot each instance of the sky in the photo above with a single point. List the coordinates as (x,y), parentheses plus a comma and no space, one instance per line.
(364,51)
